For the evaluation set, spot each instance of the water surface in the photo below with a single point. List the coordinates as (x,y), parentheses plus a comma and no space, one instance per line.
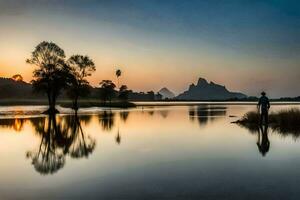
(149,152)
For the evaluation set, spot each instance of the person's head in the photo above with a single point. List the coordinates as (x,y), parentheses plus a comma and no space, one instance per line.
(263,93)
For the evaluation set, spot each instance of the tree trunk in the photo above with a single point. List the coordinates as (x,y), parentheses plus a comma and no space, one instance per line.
(52,102)
(49,99)
(75,104)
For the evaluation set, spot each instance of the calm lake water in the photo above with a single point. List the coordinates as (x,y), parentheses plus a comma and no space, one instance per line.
(150,152)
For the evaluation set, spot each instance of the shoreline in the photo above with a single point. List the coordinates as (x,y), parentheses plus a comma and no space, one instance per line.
(68,103)
(194,103)
(131,104)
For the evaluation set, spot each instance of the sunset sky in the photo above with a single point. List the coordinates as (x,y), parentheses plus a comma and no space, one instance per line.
(247,45)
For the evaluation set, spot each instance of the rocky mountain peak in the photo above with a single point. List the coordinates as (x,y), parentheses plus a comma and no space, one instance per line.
(205,90)
(202,81)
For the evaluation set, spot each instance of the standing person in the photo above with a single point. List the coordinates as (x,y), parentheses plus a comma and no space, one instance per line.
(263,107)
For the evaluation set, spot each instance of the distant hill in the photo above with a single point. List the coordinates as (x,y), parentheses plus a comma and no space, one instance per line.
(166,93)
(15,88)
(209,91)
(10,88)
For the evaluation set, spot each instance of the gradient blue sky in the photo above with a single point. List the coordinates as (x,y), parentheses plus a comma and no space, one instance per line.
(248,46)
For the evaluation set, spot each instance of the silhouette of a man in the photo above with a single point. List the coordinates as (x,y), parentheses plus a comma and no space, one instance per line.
(263,106)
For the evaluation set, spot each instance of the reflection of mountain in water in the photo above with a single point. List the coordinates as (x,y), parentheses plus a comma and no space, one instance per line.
(59,137)
(205,113)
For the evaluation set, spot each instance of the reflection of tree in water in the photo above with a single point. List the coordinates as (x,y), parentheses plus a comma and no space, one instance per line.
(48,159)
(205,113)
(80,145)
(107,120)
(118,138)
(84,119)
(164,113)
(150,111)
(124,115)
(14,123)
(59,137)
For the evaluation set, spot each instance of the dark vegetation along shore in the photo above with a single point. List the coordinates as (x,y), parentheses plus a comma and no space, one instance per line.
(95,103)
(67,103)
(284,122)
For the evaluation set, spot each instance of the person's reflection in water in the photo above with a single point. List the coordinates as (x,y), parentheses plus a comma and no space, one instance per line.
(263,142)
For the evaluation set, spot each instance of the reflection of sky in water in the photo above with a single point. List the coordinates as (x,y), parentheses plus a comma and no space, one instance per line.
(157,152)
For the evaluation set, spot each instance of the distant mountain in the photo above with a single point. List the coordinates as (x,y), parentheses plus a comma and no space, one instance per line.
(166,93)
(208,91)
(10,88)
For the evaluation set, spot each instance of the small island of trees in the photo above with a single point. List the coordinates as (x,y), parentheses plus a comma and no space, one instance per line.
(55,75)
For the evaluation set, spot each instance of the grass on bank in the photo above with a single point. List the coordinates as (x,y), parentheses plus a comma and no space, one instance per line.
(284,121)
